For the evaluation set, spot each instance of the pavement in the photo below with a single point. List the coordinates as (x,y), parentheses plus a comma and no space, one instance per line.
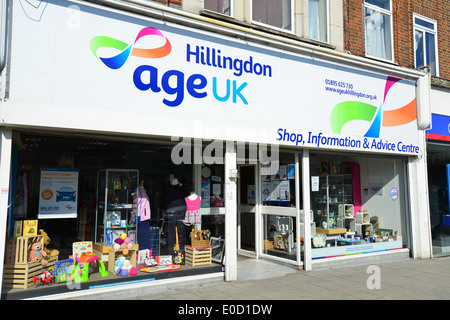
(407,279)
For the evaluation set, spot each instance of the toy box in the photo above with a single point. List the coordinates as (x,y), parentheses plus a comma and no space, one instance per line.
(30,228)
(64,266)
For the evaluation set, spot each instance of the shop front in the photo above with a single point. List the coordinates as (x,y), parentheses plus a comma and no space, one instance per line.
(438,160)
(149,150)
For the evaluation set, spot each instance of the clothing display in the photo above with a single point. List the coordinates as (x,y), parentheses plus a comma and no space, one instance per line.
(142,204)
(143,234)
(193,216)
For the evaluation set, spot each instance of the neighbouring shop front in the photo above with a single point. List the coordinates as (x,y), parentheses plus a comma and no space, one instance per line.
(147,150)
(438,160)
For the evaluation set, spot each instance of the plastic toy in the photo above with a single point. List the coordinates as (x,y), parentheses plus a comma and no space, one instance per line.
(80,270)
(47,277)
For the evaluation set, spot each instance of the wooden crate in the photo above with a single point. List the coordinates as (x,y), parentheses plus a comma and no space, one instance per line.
(20,276)
(17,249)
(198,257)
(113,254)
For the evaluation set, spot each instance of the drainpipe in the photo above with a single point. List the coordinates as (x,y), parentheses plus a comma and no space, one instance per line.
(3,23)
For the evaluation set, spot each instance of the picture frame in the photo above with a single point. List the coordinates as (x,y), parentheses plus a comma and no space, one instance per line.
(385,232)
(218,249)
(324,167)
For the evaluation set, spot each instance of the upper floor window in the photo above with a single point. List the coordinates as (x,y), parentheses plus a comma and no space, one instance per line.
(318,19)
(378,29)
(425,43)
(276,13)
(220,6)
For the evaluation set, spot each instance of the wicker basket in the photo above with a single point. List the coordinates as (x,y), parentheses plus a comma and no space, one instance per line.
(200,239)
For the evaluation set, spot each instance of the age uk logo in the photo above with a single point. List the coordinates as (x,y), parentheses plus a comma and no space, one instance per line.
(127,50)
(354,110)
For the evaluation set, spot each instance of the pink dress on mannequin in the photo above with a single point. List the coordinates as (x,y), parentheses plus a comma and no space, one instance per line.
(193,216)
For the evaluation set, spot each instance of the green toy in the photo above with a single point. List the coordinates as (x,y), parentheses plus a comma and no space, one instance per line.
(80,269)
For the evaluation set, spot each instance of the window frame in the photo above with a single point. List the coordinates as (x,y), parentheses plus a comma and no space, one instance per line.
(271,26)
(327,23)
(370,6)
(417,27)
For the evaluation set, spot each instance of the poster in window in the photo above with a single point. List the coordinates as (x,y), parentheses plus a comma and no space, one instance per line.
(283,172)
(291,171)
(285,194)
(58,193)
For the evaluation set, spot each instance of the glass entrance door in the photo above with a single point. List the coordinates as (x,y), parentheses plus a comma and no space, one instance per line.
(247,200)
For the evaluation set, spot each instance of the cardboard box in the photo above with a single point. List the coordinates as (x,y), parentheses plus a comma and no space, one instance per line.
(30,228)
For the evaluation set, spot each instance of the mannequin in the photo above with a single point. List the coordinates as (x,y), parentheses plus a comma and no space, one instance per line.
(175,194)
(141,205)
(193,217)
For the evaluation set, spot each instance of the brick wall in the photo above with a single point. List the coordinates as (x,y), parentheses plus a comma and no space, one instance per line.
(402,13)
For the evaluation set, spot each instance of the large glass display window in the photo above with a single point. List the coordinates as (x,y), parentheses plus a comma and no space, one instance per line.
(120,203)
(358,204)
(280,209)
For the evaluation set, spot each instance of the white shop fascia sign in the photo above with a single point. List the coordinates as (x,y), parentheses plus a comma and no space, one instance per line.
(114,72)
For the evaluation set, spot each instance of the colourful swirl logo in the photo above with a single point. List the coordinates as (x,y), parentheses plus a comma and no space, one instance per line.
(126,49)
(354,110)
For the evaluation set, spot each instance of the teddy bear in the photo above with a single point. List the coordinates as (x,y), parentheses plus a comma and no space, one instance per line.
(36,253)
(50,253)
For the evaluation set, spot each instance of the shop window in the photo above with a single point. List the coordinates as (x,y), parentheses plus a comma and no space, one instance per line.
(275,13)
(378,29)
(279,211)
(219,6)
(358,204)
(318,19)
(112,177)
(279,236)
(278,189)
(213,202)
(425,43)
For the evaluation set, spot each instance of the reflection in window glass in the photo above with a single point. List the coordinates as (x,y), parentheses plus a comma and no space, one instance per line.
(276,13)
(383,4)
(425,45)
(220,6)
(378,34)
(318,21)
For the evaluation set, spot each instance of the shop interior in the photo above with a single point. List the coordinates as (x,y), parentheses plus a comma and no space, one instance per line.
(129,197)
(358,204)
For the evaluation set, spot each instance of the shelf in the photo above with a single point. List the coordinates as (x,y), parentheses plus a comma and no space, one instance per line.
(115,194)
(331,231)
